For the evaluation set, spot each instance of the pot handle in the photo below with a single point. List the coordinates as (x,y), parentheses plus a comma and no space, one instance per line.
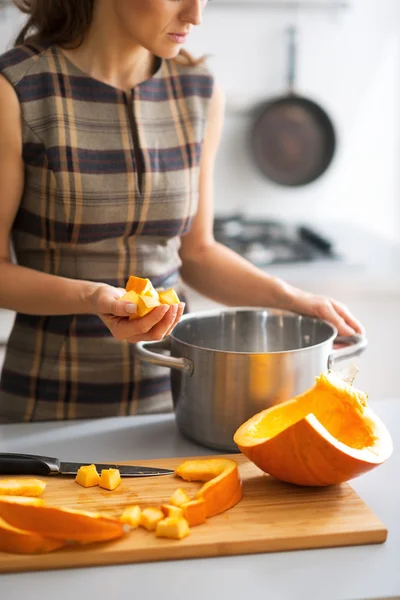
(145,351)
(355,345)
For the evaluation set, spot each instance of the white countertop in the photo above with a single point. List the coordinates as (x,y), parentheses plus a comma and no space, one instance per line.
(371,571)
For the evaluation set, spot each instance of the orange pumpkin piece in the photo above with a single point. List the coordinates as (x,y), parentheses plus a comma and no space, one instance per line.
(146,304)
(168,297)
(169,510)
(132,516)
(179,497)
(58,523)
(194,512)
(150,517)
(110,479)
(21,487)
(139,285)
(325,436)
(223,487)
(18,541)
(87,476)
(173,528)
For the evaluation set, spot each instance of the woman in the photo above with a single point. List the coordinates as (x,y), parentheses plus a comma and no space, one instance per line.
(108,136)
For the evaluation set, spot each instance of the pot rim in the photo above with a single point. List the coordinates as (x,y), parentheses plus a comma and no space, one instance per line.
(274,311)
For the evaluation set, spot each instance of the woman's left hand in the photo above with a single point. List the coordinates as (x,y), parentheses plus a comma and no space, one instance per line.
(327,309)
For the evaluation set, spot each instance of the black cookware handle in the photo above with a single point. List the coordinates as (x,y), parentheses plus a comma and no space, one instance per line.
(28,464)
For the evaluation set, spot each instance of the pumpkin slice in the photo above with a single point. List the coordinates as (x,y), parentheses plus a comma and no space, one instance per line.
(173,528)
(18,541)
(58,523)
(21,487)
(194,512)
(223,487)
(87,476)
(325,436)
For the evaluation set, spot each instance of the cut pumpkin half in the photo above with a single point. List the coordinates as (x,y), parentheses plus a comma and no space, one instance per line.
(325,436)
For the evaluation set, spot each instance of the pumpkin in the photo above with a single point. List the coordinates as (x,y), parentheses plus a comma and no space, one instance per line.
(141,292)
(87,476)
(131,516)
(21,487)
(18,541)
(58,523)
(172,527)
(223,486)
(110,479)
(150,517)
(324,436)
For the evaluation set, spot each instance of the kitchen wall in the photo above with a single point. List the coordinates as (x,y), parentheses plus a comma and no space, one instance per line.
(349,61)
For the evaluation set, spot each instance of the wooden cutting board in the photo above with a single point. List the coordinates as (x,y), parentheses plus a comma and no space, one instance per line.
(272,516)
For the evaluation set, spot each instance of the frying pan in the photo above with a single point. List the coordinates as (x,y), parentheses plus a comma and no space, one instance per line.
(292,137)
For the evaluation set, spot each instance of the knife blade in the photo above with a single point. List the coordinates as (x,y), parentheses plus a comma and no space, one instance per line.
(31,464)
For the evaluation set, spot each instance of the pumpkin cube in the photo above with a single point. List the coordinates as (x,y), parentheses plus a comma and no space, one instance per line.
(179,497)
(170,510)
(150,517)
(87,476)
(194,512)
(138,285)
(110,479)
(131,516)
(168,297)
(172,528)
(146,305)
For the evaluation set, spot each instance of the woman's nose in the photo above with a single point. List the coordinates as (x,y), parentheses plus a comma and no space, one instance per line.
(192,12)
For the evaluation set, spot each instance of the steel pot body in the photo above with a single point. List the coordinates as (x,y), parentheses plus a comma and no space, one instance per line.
(227,365)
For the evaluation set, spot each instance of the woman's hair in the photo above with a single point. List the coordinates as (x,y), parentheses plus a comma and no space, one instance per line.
(64,23)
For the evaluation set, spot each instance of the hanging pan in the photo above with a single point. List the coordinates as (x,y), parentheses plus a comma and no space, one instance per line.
(292,137)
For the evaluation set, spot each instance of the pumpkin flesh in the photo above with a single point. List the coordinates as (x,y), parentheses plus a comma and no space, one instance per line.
(327,435)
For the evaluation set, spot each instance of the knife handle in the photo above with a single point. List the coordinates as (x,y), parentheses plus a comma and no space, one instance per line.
(28,464)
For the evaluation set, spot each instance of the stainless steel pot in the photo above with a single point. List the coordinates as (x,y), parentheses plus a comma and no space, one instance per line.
(230,364)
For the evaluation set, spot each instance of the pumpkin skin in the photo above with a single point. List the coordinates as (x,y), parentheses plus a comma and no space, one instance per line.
(223,487)
(325,436)
(59,523)
(17,541)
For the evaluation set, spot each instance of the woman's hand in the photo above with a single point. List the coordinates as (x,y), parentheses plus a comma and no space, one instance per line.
(324,308)
(115,314)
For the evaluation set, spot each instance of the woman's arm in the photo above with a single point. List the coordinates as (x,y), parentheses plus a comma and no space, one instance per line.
(221,274)
(32,292)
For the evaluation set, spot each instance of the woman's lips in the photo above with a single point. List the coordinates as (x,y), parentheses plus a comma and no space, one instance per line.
(178,38)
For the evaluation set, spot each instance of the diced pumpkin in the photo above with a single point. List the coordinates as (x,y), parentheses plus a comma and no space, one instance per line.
(172,528)
(21,487)
(168,297)
(110,479)
(131,516)
(194,512)
(59,523)
(325,436)
(170,510)
(18,541)
(179,497)
(146,305)
(138,285)
(87,476)
(150,517)
(223,487)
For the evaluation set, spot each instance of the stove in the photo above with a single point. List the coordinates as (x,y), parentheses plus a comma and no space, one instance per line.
(268,242)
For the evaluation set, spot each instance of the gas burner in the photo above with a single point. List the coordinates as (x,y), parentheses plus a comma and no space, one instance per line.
(267,242)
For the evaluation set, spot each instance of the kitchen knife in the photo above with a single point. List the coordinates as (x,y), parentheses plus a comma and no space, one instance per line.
(30,464)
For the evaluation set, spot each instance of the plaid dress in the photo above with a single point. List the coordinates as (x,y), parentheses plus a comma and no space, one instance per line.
(111,184)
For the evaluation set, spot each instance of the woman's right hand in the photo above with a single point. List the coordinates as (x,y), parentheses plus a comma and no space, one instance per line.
(115,314)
